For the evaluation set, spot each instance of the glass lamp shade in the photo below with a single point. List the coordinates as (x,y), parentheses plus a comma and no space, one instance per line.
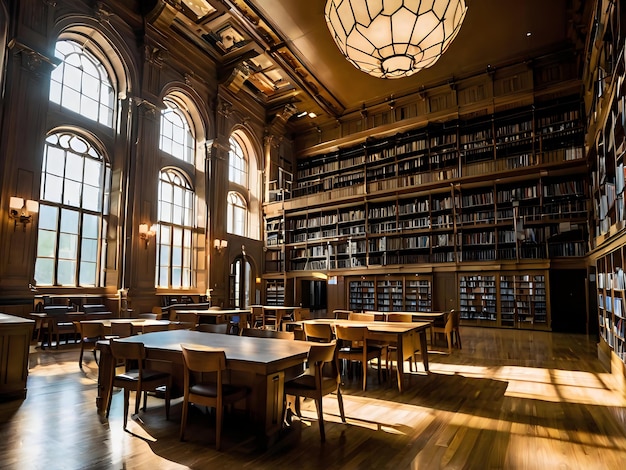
(394,38)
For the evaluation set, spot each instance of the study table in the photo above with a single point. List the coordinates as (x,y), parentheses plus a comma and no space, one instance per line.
(242,313)
(281,313)
(137,324)
(403,334)
(259,363)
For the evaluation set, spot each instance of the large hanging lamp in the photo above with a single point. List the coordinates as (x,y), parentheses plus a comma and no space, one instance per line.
(394,38)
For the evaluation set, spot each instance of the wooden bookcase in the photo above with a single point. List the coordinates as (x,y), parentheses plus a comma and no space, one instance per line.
(409,293)
(611,284)
(605,106)
(274,292)
(505,299)
(509,186)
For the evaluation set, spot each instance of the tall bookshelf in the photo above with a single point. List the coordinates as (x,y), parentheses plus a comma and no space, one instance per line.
(505,299)
(535,209)
(409,293)
(605,106)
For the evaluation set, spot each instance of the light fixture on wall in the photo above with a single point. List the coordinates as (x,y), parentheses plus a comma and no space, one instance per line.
(394,38)
(145,233)
(22,211)
(220,245)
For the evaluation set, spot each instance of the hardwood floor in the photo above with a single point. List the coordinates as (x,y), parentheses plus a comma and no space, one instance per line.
(508,400)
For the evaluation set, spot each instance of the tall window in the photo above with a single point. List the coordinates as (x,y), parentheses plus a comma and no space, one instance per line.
(237,214)
(81,84)
(176,136)
(75,186)
(174,236)
(238,165)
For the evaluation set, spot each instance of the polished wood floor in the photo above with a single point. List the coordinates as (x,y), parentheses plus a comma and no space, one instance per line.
(507,400)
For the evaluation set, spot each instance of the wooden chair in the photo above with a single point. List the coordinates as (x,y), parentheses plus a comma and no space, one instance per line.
(158,311)
(221,328)
(138,378)
(90,333)
(154,328)
(355,347)
(263,333)
(189,318)
(214,394)
(342,314)
(60,324)
(318,332)
(317,381)
(361,316)
(393,346)
(149,316)
(450,329)
(256,317)
(121,329)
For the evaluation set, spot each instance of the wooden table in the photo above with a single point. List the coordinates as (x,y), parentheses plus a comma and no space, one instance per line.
(403,334)
(259,363)
(137,323)
(217,314)
(281,311)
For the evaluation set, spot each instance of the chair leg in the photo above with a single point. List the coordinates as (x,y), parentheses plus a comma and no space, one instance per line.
(80,357)
(340,402)
(126,400)
(297,404)
(458,339)
(449,338)
(320,418)
(218,426)
(183,419)
(167,398)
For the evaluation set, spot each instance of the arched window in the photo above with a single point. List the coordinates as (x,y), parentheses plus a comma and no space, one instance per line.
(75,186)
(176,137)
(237,214)
(238,165)
(81,84)
(174,235)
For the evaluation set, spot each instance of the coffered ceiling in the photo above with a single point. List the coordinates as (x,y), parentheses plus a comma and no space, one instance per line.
(281,50)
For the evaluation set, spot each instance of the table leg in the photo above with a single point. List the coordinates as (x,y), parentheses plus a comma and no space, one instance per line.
(105,375)
(424,348)
(400,361)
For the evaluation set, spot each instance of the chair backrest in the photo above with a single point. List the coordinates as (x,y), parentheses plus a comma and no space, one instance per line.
(158,311)
(128,351)
(203,360)
(221,328)
(324,354)
(187,317)
(154,328)
(94,308)
(400,317)
(121,329)
(91,330)
(351,333)
(148,316)
(215,307)
(453,319)
(301,313)
(342,314)
(378,316)
(361,316)
(258,333)
(319,332)
(98,315)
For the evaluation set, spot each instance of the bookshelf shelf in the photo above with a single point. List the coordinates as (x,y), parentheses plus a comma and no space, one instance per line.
(409,293)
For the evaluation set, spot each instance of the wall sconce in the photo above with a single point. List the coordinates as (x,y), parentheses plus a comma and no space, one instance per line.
(220,245)
(146,233)
(22,211)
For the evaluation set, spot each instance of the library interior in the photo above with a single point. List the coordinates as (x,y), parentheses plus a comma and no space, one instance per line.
(419,258)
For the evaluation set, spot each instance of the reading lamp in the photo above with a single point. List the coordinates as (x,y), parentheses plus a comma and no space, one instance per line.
(22,211)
